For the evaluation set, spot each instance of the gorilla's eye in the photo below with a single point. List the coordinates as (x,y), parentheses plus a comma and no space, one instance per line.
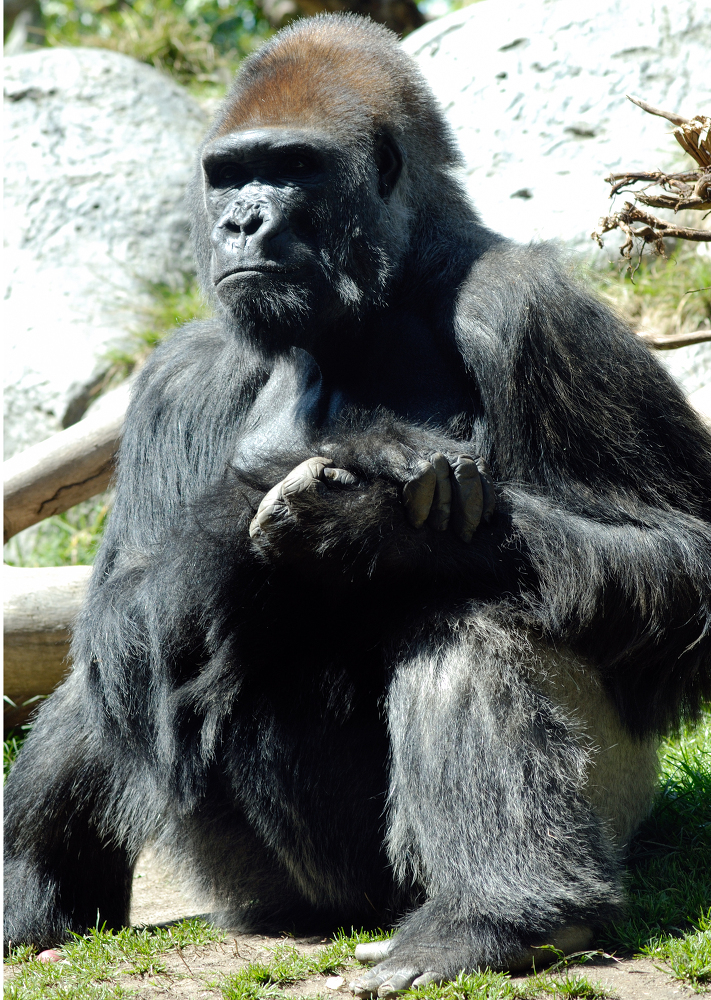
(228,175)
(295,165)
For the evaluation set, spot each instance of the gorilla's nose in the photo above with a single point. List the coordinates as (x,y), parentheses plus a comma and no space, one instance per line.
(249,226)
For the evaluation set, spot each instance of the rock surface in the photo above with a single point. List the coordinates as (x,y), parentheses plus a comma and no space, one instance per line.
(99,149)
(535,93)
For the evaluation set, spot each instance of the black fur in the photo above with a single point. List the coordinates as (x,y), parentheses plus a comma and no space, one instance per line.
(343,721)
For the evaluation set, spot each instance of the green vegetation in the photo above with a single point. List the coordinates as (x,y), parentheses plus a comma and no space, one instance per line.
(170,308)
(688,958)
(663,296)
(68,539)
(12,743)
(669,870)
(100,965)
(261,980)
(199,42)
(109,966)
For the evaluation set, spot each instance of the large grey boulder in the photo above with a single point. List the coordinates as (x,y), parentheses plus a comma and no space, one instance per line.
(99,149)
(535,91)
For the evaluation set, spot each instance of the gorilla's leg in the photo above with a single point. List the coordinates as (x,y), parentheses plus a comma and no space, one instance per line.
(488,812)
(77,811)
(231,871)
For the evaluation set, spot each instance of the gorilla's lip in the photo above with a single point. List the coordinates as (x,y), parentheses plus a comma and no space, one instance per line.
(236,272)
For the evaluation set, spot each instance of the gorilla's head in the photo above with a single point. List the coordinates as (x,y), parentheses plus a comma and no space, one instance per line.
(326,165)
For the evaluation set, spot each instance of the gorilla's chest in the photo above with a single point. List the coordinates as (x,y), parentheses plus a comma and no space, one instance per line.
(299,402)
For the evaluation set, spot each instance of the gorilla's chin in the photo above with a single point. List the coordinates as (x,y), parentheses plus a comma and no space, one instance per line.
(276,316)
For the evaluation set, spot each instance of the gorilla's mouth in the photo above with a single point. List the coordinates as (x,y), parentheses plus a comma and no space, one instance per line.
(241,272)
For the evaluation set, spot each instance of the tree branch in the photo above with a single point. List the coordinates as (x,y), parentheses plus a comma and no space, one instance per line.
(67,468)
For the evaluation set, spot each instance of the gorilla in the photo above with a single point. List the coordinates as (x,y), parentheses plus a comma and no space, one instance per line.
(409,564)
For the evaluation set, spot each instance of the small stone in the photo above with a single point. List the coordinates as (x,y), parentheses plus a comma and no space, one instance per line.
(50,955)
(335,982)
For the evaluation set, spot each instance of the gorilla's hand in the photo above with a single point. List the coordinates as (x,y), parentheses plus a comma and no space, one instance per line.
(445,492)
(310,476)
(450,492)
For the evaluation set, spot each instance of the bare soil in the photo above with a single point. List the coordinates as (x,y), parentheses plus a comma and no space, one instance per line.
(195,972)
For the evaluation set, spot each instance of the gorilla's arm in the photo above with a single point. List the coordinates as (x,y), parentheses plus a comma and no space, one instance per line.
(607,474)
(600,538)
(602,534)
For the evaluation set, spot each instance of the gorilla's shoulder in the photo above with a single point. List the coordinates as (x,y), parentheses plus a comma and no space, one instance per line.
(204,355)
(521,269)
(190,343)
(521,290)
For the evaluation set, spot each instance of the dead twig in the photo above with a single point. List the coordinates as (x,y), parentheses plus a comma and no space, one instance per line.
(689,189)
(653,230)
(666,342)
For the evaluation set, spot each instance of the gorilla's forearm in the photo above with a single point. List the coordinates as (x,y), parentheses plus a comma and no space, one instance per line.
(631,592)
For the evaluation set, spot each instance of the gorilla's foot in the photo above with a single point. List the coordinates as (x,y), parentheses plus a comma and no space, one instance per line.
(399,968)
(389,977)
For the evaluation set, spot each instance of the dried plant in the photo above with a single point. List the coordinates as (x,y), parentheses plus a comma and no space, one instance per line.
(689,189)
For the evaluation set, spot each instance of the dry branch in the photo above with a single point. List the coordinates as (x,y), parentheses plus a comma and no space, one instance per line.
(653,230)
(690,189)
(666,342)
(65,469)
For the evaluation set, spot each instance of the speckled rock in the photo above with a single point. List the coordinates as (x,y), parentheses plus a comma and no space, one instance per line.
(535,92)
(98,151)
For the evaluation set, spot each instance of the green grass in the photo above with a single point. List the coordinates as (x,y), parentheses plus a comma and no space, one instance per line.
(688,958)
(663,296)
(105,965)
(12,744)
(261,980)
(669,870)
(100,965)
(287,967)
(68,539)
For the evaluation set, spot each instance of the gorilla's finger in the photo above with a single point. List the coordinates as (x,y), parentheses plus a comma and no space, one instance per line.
(366,986)
(468,497)
(418,493)
(270,509)
(339,476)
(442,503)
(374,951)
(426,978)
(488,487)
(305,476)
(397,982)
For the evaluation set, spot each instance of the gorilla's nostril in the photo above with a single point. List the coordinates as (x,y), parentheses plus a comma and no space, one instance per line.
(250,227)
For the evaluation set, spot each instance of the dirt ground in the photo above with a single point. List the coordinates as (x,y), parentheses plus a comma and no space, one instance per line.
(194,973)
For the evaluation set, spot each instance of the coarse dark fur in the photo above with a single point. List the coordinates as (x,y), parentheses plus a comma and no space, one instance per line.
(346,719)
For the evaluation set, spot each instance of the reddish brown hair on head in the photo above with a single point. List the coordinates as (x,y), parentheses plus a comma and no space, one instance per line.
(338,73)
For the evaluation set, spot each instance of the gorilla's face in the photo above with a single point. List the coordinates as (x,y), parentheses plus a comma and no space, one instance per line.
(297,231)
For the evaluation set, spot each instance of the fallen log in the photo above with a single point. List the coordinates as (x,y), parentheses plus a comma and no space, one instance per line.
(39,608)
(67,468)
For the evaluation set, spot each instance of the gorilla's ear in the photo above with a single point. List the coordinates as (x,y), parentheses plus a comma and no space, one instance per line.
(388,159)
